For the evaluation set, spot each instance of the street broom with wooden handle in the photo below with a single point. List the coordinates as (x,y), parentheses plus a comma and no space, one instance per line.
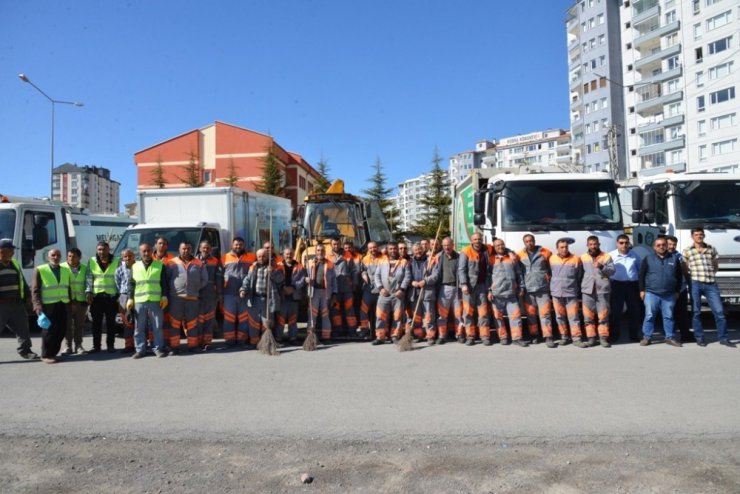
(267,344)
(407,340)
(311,341)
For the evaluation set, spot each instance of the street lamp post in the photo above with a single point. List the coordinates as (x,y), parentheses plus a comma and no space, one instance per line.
(53,102)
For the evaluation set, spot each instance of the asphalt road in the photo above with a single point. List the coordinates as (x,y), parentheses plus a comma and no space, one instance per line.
(340,396)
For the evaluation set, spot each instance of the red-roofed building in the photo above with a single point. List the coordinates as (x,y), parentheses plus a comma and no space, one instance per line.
(214,148)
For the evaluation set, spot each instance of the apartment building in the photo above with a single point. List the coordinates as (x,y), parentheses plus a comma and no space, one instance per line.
(408,200)
(595,86)
(87,187)
(680,72)
(551,147)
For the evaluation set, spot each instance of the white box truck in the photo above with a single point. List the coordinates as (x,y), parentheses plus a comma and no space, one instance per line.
(38,225)
(548,203)
(674,203)
(217,214)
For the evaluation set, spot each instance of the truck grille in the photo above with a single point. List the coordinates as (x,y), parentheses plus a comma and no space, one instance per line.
(728,260)
(728,286)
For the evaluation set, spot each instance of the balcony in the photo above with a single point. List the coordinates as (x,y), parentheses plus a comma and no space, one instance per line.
(563,158)
(662,146)
(645,15)
(658,56)
(656,33)
(676,168)
(663,76)
(666,122)
(658,101)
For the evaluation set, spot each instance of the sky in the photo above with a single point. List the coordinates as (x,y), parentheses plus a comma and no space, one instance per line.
(351,81)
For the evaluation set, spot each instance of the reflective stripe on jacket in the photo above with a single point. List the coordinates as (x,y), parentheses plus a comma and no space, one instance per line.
(53,290)
(103,281)
(566,275)
(77,281)
(148,281)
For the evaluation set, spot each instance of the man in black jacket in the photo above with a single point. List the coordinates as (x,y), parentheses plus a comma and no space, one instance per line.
(660,283)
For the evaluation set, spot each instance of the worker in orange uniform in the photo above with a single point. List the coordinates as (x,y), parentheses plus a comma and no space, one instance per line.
(342,311)
(506,286)
(565,289)
(263,277)
(535,264)
(369,289)
(210,295)
(236,266)
(473,269)
(322,289)
(293,291)
(598,266)
(185,276)
(392,277)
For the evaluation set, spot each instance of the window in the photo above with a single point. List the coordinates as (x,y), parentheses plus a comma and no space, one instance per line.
(587,109)
(671,86)
(602,81)
(696,5)
(697,31)
(588,128)
(584,47)
(585,88)
(709,3)
(602,39)
(592,23)
(671,40)
(703,152)
(600,19)
(724,147)
(723,121)
(700,103)
(592,43)
(701,127)
(670,17)
(674,109)
(593,63)
(719,20)
(674,133)
(699,55)
(302,182)
(720,45)
(604,103)
(602,60)
(597,147)
(700,78)
(722,95)
(593,85)
(672,62)
(721,70)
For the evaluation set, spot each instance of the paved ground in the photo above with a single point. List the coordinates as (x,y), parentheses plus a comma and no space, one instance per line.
(361,418)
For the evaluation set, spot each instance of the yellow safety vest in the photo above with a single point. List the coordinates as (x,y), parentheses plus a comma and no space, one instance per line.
(21,281)
(77,282)
(53,290)
(148,287)
(104,281)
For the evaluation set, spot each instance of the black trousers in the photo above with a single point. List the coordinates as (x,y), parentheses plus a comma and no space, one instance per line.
(104,305)
(51,339)
(625,292)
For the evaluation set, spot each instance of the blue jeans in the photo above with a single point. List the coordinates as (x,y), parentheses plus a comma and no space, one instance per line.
(653,303)
(148,314)
(711,293)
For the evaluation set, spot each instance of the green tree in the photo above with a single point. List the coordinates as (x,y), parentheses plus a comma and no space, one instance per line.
(193,176)
(157,174)
(379,191)
(272,175)
(436,202)
(323,168)
(232,177)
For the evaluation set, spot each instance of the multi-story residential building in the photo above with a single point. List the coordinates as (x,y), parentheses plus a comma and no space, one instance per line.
(88,187)
(462,163)
(408,200)
(681,80)
(550,147)
(224,153)
(595,83)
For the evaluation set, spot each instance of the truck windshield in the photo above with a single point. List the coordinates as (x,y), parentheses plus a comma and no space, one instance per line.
(701,203)
(327,220)
(561,205)
(7,223)
(133,238)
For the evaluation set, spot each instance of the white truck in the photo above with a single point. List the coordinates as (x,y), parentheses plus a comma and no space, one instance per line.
(39,225)
(674,203)
(216,214)
(508,203)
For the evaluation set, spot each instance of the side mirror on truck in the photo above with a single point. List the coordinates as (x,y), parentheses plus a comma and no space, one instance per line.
(637,195)
(479,203)
(479,219)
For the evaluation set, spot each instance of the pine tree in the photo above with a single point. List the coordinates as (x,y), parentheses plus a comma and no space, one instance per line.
(193,176)
(232,178)
(436,202)
(323,169)
(158,174)
(272,176)
(380,192)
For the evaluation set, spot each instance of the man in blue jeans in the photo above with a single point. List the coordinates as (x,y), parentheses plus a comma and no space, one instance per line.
(660,281)
(701,264)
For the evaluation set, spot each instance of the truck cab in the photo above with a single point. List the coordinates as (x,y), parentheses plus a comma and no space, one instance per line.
(674,203)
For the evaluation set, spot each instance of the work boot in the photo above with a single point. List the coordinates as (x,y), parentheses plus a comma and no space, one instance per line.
(431,341)
(80,350)
(580,344)
(673,342)
(461,338)
(564,341)
(441,340)
(728,343)
(645,342)
(535,340)
(377,341)
(160,354)
(29,355)
(604,342)
(111,349)
(469,342)
(487,342)
(505,341)
(591,341)
(550,343)
(68,350)
(137,355)
(701,342)
(520,342)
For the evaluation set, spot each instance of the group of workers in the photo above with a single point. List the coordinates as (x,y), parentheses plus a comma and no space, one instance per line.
(433,292)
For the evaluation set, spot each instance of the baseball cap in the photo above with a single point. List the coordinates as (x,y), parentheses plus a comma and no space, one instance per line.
(7,243)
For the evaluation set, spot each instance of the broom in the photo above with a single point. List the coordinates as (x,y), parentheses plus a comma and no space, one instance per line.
(267,344)
(407,340)
(311,341)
